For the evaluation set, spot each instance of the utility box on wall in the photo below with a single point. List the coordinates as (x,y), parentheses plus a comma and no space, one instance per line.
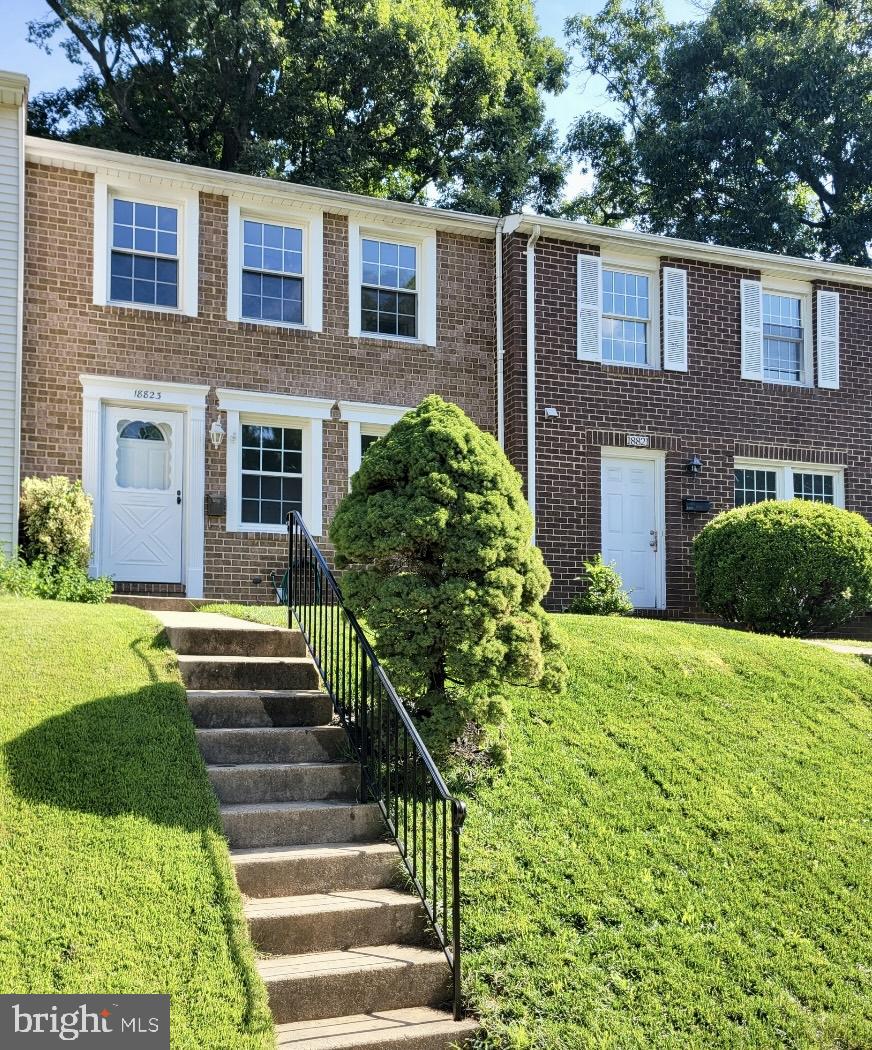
(696,506)
(216,505)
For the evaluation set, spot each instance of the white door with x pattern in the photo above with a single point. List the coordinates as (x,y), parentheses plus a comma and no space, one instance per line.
(143,489)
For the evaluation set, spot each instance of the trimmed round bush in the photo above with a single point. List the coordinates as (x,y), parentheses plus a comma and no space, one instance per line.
(785,566)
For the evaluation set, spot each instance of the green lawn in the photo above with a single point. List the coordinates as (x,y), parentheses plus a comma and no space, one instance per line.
(680,853)
(114,876)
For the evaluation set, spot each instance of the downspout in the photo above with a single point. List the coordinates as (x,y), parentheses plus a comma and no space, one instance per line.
(531,373)
(501,350)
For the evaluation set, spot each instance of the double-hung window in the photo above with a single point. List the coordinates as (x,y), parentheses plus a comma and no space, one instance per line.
(755,482)
(144,256)
(272,273)
(783,338)
(272,472)
(626,317)
(389,288)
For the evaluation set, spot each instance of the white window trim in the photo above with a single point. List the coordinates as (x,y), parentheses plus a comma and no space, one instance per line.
(311,222)
(365,418)
(188,204)
(422,239)
(645,267)
(98,391)
(785,469)
(802,291)
(307,413)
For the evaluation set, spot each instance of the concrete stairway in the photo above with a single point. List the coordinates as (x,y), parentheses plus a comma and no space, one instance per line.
(346,954)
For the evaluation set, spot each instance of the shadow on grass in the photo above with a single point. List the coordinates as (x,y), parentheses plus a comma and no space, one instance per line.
(130,753)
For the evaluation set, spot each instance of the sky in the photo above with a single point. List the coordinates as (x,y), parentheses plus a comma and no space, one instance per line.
(49,72)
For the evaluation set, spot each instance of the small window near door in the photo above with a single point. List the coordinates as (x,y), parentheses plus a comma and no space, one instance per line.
(755,486)
(819,488)
(272,473)
(366,442)
(143,456)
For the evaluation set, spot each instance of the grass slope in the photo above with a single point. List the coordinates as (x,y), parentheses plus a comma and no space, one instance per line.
(679,854)
(114,876)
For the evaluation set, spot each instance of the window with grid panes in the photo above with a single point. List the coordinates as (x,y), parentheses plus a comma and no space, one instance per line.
(819,488)
(783,339)
(272,272)
(389,288)
(144,257)
(626,317)
(272,473)
(754,486)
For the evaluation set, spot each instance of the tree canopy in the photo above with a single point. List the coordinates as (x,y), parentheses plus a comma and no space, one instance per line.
(752,126)
(396,98)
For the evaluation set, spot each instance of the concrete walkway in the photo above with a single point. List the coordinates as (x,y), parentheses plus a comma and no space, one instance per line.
(206,621)
(861,649)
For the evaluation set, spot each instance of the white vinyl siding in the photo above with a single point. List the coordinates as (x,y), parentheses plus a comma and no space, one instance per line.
(11,187)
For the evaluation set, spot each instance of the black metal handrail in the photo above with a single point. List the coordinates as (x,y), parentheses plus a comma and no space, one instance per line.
(397,771)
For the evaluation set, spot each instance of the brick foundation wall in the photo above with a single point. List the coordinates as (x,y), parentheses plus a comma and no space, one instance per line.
(65,335)
(708,411)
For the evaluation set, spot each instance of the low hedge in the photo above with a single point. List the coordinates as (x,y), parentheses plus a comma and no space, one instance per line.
(785,566)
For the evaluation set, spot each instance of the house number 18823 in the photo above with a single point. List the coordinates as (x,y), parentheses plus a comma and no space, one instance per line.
(147,395)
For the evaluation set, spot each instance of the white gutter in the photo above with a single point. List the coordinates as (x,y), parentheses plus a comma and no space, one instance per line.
(501,350)
(531,373)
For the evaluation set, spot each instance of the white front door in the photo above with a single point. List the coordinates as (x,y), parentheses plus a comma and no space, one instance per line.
(631,539)
(142,495)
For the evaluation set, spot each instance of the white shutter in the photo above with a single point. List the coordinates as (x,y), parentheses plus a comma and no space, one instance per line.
(589,308)
(674,319)
(752,330)
(828,339)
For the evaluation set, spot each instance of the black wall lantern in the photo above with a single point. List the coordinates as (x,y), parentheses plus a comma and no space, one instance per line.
(693,466)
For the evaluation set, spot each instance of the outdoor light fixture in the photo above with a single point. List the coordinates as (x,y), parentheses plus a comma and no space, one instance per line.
(216,433)
(693,465)
(551,412)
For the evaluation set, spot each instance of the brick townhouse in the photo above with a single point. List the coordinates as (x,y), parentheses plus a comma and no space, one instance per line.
(208,350)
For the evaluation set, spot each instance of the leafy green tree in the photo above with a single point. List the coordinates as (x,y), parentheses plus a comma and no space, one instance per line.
(396,98)
(435,537)
(752,126)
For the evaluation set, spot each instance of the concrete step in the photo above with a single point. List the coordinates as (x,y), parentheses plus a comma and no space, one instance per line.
(154,602)
(258,824)
(361,980)
(251,640)
(319,922)
(416,1028)
(286,781)
(238,708)
(282,871)
(234,747)
(251,672)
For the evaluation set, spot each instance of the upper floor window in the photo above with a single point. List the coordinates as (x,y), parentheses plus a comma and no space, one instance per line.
(144,261)
(275,265)
(389,288)
(145,247)
(391,282)
(626,318)
(272,272)
(755,482)
(783,340)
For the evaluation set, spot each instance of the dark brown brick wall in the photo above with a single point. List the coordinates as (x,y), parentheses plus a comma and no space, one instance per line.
(66,335)
(709,411)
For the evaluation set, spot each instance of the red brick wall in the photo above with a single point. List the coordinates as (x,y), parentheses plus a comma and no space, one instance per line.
(709,411)
(66,335)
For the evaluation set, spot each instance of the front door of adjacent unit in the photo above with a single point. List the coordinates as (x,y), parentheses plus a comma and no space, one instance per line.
(631,539)
(142,495)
